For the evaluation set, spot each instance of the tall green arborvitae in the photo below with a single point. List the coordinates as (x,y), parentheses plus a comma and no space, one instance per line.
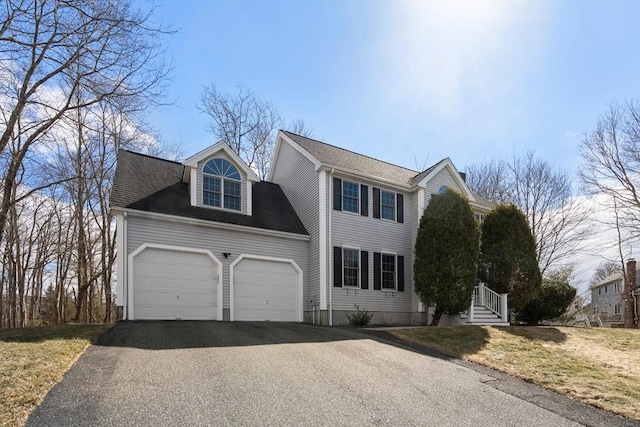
(508,255)
(447,249)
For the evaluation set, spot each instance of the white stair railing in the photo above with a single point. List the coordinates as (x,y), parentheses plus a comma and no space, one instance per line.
(483,296)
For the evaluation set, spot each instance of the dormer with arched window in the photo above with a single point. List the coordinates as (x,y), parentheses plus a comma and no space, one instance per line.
(219,179)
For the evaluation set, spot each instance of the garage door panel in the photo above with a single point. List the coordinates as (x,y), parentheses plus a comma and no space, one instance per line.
(154,312)
(265,290)
(168,269)
(174,284)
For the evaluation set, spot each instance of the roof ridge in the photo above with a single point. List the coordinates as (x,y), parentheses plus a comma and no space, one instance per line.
(150,156)
(352,152)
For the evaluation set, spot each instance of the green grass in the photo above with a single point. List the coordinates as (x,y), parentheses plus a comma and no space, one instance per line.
(598,366)
(32,360)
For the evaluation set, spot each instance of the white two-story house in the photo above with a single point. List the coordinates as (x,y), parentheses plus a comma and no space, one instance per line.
(331,231)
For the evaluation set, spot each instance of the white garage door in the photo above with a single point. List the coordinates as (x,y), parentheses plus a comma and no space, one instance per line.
(172,284)
(266,290)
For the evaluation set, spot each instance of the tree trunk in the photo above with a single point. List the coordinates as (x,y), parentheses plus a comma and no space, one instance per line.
(436,317)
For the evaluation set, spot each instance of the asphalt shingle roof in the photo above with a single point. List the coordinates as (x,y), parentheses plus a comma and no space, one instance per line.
(341,158)
(155,185)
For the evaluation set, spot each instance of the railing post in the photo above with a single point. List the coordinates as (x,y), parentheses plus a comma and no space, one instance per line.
(481,293)
(470,314)
(503,309)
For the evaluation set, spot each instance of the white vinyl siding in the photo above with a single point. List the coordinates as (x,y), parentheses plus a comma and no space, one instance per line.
(373,235)
(442,178)
(298,179)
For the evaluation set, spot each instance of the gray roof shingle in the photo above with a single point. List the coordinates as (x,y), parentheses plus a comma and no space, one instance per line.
(339,157)
(155,185)
(345,159)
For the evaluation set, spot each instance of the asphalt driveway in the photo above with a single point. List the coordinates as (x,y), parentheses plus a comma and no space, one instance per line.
(242,373)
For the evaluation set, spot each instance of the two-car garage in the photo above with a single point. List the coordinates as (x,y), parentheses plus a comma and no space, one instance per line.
(178,283)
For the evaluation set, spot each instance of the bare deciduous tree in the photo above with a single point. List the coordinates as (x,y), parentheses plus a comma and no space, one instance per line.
(299,127)
(490,180)
(544,194)
(72,74)
(53,50)
(611,155)
(245,122)
(604,270)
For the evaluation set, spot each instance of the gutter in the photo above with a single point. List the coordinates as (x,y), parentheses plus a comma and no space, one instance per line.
(213,224)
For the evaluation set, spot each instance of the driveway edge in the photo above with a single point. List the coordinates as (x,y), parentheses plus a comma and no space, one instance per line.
(557,403)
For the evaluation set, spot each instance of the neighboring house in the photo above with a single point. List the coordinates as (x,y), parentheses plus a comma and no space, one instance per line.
(333,230)
(607,299)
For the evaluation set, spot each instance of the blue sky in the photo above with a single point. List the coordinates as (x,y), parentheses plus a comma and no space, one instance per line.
(410,82)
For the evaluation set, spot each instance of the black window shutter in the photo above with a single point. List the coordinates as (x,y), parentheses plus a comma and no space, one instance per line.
(400,273)
(337,194)
(364,269)
(377,271)
(376,202)
(400,207)
(364,200)
(337,266)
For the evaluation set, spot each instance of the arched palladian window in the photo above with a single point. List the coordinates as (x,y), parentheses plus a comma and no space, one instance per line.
(221,185)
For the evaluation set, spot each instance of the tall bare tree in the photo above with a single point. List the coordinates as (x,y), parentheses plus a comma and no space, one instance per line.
(611,155)
(245,122)
(604,270)
(544,194)
(490,179)
(52,50)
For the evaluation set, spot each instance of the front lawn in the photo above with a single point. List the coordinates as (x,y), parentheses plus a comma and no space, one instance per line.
(599,366)
(32,360)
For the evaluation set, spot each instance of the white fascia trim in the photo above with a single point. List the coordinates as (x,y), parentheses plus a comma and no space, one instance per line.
(420,212)
(207,252)
(358,176)
(274,159)
(213,224)
(420,204)
(267,258)
(221,146)
(301,150)
(120,259)
(322,229)
(447,163)
(193,186)
(479,207)
(249,198)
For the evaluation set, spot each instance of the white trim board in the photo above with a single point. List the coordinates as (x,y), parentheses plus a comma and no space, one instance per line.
(212,224)
(322,230)
(221,146)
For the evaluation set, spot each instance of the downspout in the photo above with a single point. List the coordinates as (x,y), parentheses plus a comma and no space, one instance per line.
(330,284)
(125,260)
(635,307)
